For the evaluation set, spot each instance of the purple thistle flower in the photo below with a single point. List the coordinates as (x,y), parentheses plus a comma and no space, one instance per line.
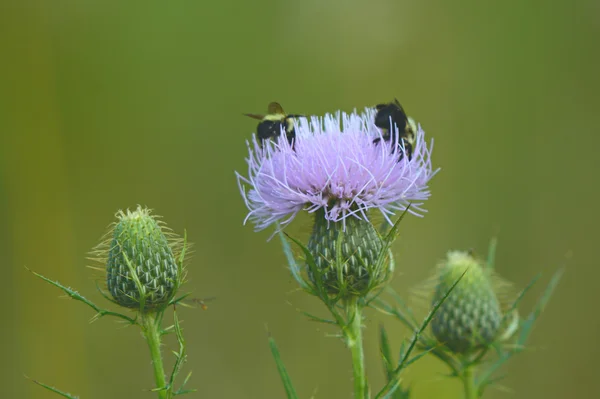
(336,167)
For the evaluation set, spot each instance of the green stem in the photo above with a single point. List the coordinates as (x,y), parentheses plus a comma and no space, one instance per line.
(353,333)
(468,378)
(151,328)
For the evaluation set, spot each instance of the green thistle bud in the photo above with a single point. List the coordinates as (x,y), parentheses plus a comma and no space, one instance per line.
(359,270)
(471,315)
(142,271)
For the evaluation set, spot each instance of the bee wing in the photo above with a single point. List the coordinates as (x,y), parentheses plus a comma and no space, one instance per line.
(275,108)
(398,104)
(255,116)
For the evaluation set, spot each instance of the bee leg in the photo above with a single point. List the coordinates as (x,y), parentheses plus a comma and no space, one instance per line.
(261,142)
(404,148)
(385,136)
(291,137)
(401,148)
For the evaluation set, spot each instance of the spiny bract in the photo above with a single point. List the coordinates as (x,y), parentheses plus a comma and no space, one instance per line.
(359,270)
(470,316)
(142,271)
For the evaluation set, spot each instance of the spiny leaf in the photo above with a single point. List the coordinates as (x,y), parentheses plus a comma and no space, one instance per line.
(386,353)
(294,268)
(402,312)
(78,297)
(53,389)
(522,294)
(413,359)
(388,362)
(182,391)
(183,250)
(181,356)
(180,298)
(491,258)
(319,290)
(285,378)
(318,319)
(393,311)
(186,391)
(105,295)
(385,225)
(389,238)
(486,377)
(393,384)
(402,304)
(539,307)
(313,268)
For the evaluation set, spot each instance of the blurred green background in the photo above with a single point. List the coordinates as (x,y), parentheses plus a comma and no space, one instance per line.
(106,105)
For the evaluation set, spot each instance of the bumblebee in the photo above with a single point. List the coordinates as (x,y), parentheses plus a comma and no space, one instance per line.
(391,116)
(270,125)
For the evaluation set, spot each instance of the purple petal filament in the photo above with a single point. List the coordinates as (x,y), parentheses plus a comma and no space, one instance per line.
(336,167)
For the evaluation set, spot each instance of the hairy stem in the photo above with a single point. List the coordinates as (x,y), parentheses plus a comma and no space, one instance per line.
(468,378)
(151,329)
(353,334)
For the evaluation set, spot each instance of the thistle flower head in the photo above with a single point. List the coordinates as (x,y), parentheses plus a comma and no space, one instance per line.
(140,254)
(348,258)
(334,166)
(471,316)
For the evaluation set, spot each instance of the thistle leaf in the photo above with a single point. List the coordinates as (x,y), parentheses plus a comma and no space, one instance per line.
(491,259)
(285,378)
(386,353)
(294,268)
(486,378)
(78,297)
(53,389)
(394,382)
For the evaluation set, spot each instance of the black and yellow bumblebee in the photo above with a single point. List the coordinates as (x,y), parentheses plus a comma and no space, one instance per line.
(391,116)
(270,125)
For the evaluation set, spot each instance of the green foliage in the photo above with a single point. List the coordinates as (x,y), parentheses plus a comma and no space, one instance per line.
(470,317)
(55,390)
(389,364)
(347,313)
(285,378)
(100,312)
(505,353)
(346,301)
(180,358)
(405,360)
(476,368)
(151,307)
